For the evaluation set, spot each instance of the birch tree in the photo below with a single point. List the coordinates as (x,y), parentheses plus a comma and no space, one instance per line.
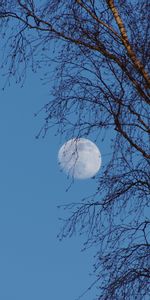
(95,57)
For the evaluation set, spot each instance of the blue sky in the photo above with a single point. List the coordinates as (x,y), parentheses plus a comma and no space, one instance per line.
(33,263)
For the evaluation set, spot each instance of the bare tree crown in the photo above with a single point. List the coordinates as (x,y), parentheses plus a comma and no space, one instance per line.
(95,56)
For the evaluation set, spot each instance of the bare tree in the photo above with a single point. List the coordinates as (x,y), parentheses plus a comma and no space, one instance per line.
(100,84)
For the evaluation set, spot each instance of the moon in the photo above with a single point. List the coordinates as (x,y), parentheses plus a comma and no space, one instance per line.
(79,158)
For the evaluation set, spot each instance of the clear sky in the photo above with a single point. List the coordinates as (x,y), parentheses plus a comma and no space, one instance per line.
(33,263)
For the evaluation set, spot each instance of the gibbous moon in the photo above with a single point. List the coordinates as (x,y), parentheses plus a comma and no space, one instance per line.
(79,158)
